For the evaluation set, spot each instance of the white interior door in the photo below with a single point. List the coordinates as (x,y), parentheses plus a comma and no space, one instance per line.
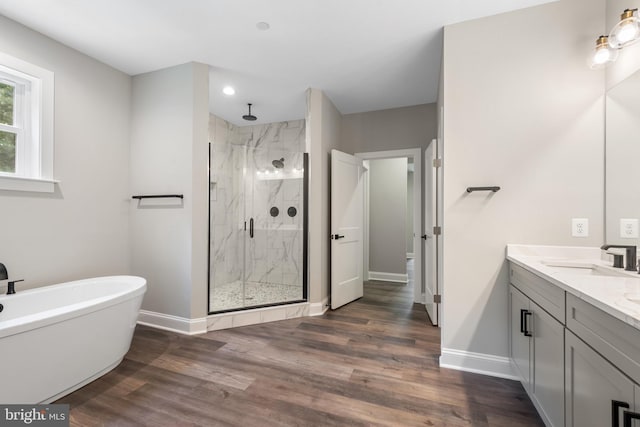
(429,239)
(347,218)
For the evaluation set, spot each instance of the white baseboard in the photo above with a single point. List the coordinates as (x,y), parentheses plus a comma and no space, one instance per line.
(479,363)
(171,323)
(388,277)
(319,308)
(411,255)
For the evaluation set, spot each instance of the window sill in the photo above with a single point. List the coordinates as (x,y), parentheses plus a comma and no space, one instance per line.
(37,185)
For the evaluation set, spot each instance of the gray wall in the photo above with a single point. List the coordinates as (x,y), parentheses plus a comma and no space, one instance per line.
(324,123)
(393,129)
(169,155)
(387,216)
(515,117)
(82,229)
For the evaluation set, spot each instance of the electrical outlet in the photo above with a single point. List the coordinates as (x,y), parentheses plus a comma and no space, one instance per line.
(580,227)
(628,228)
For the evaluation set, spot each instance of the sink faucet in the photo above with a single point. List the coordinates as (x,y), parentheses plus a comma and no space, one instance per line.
(630,256)
(11,286)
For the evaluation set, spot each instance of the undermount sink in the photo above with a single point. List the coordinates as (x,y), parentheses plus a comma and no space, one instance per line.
(582,269)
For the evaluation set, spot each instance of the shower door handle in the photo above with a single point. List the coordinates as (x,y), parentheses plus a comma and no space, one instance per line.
(251,228)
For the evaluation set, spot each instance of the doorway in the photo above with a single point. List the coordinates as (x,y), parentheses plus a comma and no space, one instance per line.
(414,157)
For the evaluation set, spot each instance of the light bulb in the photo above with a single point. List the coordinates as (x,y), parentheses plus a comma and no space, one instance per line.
(603,54)
(627,31)
(228,90)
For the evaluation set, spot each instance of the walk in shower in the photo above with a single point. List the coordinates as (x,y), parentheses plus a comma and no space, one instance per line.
(257,220)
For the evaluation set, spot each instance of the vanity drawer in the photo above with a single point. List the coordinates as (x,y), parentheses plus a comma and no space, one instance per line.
(615,340)
(547,295)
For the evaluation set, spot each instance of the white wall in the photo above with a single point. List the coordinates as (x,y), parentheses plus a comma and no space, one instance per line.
(169,155)
(387,216)
(324,123)
(524,112)
(81,230)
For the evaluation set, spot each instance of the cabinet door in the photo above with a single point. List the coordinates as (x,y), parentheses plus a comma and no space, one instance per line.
(519,343)
(592,384)
(547,384)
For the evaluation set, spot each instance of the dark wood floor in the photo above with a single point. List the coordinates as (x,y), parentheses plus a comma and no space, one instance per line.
(373,362)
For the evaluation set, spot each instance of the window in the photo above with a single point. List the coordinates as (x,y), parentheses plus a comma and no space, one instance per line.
(26,126)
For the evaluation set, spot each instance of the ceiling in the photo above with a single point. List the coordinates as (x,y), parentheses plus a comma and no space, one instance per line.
(365,55)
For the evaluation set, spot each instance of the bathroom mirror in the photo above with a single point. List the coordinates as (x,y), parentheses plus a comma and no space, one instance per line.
(622,177)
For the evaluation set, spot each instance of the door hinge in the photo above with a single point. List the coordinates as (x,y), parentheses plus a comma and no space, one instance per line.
(437,230)
(437,163)
(437,299)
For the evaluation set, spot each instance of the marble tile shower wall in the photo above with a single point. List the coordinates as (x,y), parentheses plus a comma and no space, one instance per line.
(246,184)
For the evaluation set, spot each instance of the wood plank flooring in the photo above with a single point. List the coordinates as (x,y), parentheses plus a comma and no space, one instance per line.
(373,362)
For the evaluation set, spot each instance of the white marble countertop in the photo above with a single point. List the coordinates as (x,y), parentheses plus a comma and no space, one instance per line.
(613,290)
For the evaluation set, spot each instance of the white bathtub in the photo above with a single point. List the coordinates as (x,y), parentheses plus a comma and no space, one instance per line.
(55,339)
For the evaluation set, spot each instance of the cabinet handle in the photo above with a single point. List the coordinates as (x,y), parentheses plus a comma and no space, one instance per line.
(251,228)
(522,312)
(615,412)
(527,333)
(629,416)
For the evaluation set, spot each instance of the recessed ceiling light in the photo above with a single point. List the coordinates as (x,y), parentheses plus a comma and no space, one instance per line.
(263,26)
(228,90)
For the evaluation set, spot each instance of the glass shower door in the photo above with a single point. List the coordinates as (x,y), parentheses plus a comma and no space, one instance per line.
(257,245)
(274,205)
(226,227)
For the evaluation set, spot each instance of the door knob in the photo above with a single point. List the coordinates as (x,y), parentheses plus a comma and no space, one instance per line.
(337,237)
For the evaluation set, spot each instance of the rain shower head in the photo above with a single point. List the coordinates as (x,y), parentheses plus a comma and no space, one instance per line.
(250,116)
(278,164)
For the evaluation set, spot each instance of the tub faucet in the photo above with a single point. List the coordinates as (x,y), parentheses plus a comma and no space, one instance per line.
(629,258)
(3,272)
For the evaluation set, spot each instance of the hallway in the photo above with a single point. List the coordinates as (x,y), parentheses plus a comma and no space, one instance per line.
(372,362)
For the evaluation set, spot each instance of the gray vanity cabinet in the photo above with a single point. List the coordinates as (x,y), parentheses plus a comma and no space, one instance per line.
(537,354)
(548,365)
(579,364)
(520,344)
(593,385)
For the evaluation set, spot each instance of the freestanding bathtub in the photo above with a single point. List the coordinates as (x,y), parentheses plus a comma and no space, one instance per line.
(55,339)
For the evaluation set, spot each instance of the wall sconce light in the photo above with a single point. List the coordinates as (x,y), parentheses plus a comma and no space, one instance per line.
(627,31)
(604,53)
